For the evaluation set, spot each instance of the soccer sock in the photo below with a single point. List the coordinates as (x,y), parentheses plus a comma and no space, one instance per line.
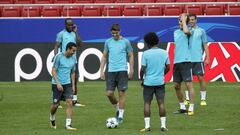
(163,122)
(74,98)
(147,122)
(187,94)
(191,107)
(116,106)
(121,111)
(52,117)
(203,95)
(182,106)
(68,122)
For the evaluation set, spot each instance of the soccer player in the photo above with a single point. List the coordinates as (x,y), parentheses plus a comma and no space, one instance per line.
(69,34)
(198,41)
(63,73)
(182,70)
(155,64)
(116,50)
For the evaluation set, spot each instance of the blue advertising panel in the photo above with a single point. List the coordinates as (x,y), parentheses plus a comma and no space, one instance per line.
(219,29)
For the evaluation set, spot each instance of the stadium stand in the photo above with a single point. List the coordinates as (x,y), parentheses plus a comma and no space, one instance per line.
(43,1)
(51,11)
(185,0)
(6,1)
(234,9)
(124,1)
(92,11)
(72,11)
(173,10)
(23,2)
(164,1)
(11,11)
(104,1)
(133,10)
(63,1)
(31,11)
(213,9)
(84,1)
(196,9)
(145,1)
(205,0)
(153,10)
(112,10)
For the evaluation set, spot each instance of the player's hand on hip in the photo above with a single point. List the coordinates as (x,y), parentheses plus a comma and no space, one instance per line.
(59,87)
(207,61)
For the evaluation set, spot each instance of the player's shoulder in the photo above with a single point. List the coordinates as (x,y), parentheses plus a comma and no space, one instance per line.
(61,32)
(109,39)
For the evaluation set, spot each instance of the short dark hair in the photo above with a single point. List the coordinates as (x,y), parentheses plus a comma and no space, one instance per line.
(116,27)
(68,19)
(151,39)
(70,45)
(192,14)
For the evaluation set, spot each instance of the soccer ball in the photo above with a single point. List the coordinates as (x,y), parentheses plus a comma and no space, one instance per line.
(111,122)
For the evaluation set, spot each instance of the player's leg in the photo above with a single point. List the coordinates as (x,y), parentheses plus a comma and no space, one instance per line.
(54,106)
(122,85)
(186,73)
(177,79)
(203,92)
(160,95)
(147,97)
(75,97)
(111,85)
(68,93)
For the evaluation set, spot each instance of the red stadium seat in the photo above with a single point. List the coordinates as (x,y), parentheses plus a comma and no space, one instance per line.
(173,10)
(196,9)
(1,11)
(43,1)
(23,1)
(84,1)
(63,1)
(234,9)
(51,11)
(164,1)
(124,1)
(112,10)
(205,0)
(104,1)
(214,9)
(31,11)
(185,0)
(11,11)
(92,11)
(72,11)
(226,0)
(145,1)
(153,10)
(6,1)
(132,10)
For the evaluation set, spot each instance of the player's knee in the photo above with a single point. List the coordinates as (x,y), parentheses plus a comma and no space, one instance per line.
(109,93)
(176,86)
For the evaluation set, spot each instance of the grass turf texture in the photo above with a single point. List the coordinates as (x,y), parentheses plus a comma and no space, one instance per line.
(24,110)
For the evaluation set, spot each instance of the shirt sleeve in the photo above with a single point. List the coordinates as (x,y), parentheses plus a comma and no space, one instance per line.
(59,37)
(106,46)
(204,37)
(56,61)
(129,46)
(144,61)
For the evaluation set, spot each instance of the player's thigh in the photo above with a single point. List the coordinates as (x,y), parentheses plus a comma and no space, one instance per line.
(56,94)
(68,92)
(160,93)
(122,80)
(198,68)
(111,81)
(186,71)
(176,73)
(148,92)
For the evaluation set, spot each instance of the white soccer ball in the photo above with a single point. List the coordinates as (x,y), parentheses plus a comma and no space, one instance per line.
(111,122)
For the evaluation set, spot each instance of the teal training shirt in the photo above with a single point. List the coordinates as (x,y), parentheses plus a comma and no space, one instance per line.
(154,60)
(117,54)
(64,37)
(182,47)
(197,41)
(63,67)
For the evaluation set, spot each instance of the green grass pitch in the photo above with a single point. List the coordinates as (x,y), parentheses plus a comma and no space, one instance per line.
(24,110)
